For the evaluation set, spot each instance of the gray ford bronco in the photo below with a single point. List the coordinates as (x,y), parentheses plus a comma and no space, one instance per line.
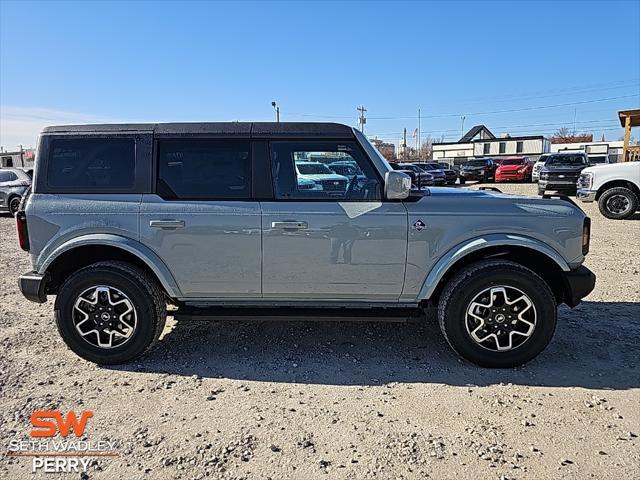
(217,220)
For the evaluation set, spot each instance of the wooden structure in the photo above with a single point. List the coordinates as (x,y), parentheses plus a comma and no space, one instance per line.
(628,120)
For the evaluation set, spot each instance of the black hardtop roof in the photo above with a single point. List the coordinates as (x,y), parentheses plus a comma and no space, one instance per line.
(252,129)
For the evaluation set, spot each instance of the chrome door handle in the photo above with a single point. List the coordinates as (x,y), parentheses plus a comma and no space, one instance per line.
(167,224)
(290,225)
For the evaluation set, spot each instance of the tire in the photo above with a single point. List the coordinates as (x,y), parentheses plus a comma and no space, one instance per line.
(618,203)
(14,205)
(470,284)
(540,191)
(142,292)
(462,180)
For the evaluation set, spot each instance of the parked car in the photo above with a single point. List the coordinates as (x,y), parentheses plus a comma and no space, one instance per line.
(451,175)
(322,175)
(535,173)
(616,188)
(480,169)
(439,177)
(561,172)
(419,178)
(514,169)
(14,182)
(207,217)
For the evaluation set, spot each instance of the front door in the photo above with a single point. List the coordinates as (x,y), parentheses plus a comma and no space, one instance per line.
(328,235)
(202,222)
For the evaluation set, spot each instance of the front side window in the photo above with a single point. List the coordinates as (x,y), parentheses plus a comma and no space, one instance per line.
(92,164)
(322,171)
(7,177)
(204,169)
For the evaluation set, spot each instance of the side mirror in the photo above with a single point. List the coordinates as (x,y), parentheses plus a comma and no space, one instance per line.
(397,185)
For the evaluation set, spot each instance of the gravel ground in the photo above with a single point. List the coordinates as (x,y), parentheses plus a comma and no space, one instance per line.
(306,400)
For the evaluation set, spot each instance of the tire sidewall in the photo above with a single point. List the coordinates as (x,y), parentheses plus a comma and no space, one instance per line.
(602,203)
(11,202)
(141,299)
(455,317)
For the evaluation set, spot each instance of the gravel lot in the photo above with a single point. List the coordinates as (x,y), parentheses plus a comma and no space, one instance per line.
(306,400)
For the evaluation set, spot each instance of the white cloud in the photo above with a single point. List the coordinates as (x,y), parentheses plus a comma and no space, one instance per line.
(21,125)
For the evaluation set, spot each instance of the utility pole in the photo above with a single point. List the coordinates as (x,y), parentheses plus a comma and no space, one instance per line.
(362,119)
(419,140)
(574,119)
(462,128)
(277,109)
(404,143)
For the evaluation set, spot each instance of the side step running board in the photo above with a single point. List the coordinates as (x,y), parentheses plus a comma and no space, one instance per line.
(300,314)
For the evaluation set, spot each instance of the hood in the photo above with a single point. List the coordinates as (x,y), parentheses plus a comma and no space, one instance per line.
(530,204)
(322,176)
(562,168)
(510,168)
(623,169)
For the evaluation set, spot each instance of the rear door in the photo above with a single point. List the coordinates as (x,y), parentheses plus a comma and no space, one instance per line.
(202,220)
(331,239)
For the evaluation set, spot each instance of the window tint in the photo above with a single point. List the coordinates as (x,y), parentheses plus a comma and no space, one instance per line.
(322,170)
(204,169)
(7,176)
(92,163)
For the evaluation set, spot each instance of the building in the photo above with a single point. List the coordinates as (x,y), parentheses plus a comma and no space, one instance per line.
(480,142)
(613,150)
(388,150)
(18,158)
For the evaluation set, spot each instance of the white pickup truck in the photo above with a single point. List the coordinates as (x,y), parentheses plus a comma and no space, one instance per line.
(615,186)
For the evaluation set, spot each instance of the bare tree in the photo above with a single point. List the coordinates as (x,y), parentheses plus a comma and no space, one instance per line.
(426,151)
(566,135)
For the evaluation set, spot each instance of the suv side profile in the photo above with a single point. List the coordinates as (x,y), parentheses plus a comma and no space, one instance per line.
(14,182)
(211,218)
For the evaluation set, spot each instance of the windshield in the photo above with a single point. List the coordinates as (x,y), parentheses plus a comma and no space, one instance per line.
(512,162)
(313,168)
(570,160)
(475,163)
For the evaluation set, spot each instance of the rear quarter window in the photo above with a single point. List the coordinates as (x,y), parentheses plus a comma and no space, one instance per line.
(92,164)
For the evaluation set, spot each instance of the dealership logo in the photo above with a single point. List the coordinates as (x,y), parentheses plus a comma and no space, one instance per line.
(58,443)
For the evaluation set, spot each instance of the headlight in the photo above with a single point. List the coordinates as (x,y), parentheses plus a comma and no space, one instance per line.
(585,180)
(522,170)
(544,175)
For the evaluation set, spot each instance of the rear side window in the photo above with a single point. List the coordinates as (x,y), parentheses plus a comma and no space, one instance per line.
(7,176)
(92,164)
(204,169)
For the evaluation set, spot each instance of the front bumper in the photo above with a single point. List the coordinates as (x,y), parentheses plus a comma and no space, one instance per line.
(578,284)
(557,184)
(505,177)
(473,175)
(33,286)
(586,195)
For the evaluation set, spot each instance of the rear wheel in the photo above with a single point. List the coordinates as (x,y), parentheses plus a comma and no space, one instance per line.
(14,205)
(618,203)
(497,313)
(110,312)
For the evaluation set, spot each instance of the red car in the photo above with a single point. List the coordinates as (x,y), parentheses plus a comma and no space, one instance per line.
(514,168)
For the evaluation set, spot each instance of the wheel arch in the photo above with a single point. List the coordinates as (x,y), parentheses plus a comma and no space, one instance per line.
(85,250)
(618,183)
(526,251)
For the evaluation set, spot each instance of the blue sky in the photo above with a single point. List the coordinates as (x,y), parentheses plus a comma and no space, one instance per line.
(70,62)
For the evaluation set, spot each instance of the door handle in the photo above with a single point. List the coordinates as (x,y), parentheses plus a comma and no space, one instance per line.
(290,225)
(167,224)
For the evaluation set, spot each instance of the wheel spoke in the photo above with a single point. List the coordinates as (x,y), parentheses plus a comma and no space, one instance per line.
(500,318)
(104,316)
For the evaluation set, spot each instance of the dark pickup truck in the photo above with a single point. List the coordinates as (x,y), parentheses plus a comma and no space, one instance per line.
(561,171)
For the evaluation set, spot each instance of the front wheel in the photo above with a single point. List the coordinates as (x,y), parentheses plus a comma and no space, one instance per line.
(110,312)
(497,313)
(462,180)
(618,203)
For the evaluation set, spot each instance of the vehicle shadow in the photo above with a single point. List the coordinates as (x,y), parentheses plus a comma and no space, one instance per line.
(595,346)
